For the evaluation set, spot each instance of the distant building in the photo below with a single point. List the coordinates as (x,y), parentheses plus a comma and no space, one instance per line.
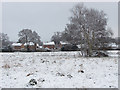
(25,47)
(17,46)
(113,46)
(62,44)
(49,45)
(30,46)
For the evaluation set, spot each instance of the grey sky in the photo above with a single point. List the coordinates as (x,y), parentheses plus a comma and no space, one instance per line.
(49,17)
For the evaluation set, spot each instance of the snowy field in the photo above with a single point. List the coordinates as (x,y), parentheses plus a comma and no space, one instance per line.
(57,70)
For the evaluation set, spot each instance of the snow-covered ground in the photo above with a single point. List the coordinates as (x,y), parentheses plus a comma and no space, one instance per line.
(57,70)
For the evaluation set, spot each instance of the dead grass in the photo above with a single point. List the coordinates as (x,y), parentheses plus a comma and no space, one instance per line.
(6,66)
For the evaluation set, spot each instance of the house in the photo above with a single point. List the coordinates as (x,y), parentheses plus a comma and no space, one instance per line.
(39,48)
(62,44)
(49,45)
(17,46)
(79,46)
(113,46)
(30,46)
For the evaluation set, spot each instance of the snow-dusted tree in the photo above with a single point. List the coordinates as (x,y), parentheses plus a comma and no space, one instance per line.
(87,27)
(4,40)
(56,37)
(35,38)
(27,35)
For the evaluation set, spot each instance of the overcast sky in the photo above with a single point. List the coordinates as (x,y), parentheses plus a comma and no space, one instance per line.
(49,17)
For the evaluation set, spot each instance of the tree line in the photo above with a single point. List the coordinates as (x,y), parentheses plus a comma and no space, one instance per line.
(87,28)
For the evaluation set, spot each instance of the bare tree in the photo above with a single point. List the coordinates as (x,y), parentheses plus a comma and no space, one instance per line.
(4,40)
(87,27)
(27,35)
(56,37)
(35,38)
